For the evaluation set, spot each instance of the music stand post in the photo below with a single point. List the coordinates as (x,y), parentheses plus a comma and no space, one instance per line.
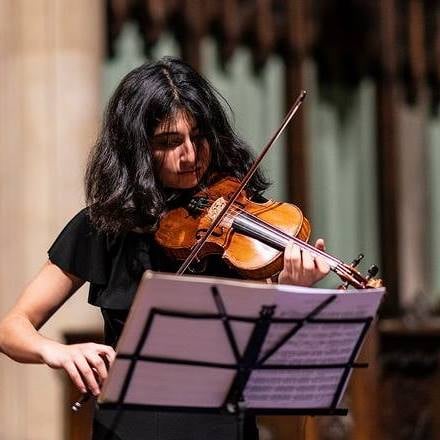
(244,364)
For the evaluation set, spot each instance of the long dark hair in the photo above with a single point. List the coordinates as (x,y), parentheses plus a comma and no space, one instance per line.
(123,190)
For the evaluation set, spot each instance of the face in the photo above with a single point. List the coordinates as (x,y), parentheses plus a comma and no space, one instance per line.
(180,151)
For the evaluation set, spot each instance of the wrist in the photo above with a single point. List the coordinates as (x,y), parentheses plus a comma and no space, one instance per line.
(44,347)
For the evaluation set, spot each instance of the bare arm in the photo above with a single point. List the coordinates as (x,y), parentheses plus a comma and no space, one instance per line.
(20,340)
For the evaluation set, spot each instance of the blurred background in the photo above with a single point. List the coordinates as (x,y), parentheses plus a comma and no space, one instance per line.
(361,159)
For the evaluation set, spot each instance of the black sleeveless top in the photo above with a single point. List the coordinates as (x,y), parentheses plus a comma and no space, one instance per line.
(113,265)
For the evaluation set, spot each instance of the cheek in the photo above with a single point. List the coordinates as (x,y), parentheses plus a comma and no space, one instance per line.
(166,164)
(170,160)
(161,159)
(160,163)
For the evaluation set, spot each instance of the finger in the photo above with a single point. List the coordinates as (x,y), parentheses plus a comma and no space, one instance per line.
(75,377)
(97,363)
(287,258)
(108,352)
(320,244)
(322,266)
(308,261)
(87,374)
(292,258)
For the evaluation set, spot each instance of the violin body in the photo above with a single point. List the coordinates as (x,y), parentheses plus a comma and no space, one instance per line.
(250,246)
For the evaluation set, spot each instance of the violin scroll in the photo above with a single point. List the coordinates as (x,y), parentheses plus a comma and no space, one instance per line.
(352,277)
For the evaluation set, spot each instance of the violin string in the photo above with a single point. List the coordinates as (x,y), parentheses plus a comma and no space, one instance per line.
(302,244)
(281,234)
(340,268)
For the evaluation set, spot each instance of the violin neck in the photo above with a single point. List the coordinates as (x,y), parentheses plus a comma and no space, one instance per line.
(253,227)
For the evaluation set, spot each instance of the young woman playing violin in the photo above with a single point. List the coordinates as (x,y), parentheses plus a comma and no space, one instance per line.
(165,136)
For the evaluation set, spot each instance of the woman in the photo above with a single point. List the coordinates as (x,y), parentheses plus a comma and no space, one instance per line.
(165,135)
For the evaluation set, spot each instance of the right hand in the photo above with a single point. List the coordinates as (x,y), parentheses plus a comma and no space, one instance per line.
(86,364)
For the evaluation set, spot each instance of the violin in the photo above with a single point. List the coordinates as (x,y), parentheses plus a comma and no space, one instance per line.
(251,236)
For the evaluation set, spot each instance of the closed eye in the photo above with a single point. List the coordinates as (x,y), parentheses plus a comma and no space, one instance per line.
(167,141)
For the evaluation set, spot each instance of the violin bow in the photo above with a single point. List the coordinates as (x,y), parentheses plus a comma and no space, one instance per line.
(196,249)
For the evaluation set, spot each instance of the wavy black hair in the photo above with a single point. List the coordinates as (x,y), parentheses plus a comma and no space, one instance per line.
(123,190)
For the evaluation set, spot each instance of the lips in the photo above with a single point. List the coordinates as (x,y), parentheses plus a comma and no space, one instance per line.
(190,171)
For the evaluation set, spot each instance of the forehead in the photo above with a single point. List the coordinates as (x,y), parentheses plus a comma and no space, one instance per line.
(177,122)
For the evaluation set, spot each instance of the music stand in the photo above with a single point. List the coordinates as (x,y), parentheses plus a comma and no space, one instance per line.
(237,347)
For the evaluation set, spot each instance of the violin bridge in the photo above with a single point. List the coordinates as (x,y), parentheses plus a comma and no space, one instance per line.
(216,208)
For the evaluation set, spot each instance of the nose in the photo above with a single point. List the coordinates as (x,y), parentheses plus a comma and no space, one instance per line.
(188,153)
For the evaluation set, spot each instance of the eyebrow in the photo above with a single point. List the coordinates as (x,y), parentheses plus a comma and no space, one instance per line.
(172,133)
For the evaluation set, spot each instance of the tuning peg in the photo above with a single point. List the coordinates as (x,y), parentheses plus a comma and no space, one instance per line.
(372,271)
(357,260)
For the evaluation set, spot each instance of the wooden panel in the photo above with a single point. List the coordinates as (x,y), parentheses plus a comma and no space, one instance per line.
(286,427)
(410,379)
(297,142)
(387,155)
(365,401)
(193,29)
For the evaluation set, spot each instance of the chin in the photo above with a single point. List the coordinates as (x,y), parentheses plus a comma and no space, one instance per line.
(189,186)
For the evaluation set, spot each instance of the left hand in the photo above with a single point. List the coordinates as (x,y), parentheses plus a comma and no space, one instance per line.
(301,268)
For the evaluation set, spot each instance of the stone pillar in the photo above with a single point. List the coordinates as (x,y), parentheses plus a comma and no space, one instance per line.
(51,54)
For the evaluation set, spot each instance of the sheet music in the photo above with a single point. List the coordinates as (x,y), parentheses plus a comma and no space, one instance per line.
(311,344)
(292,388)
(159,383)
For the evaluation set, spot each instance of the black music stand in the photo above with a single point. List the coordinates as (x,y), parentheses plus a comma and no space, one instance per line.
(240,375)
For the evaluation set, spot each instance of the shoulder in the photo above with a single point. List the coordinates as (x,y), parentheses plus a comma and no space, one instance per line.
(81,249)
(81,225)
(82,218)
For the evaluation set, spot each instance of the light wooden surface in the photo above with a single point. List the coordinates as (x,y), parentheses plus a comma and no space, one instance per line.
(51,55)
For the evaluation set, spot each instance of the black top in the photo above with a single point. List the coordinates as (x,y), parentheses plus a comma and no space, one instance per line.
(113,264)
